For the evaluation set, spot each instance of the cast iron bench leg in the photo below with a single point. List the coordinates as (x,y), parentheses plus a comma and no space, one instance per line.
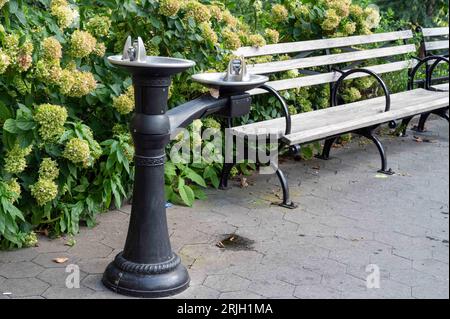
(424,118)
(226,171)
(327,148)
(422,122)
(404,126)
(368,133)
(287,202)
(443,114)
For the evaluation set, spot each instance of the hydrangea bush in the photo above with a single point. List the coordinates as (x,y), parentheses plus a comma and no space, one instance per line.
(66,153)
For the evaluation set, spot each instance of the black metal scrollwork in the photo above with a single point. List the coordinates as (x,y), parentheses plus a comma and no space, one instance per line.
(150,161)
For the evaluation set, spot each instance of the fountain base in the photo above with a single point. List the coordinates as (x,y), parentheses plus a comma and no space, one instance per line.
(146,281)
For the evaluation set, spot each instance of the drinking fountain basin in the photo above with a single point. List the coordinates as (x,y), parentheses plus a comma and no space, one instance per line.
(236,80)
(135,60)
(219,81)
(157,65)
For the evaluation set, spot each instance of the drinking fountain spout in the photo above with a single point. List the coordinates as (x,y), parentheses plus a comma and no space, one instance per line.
(237,71)
(134,51)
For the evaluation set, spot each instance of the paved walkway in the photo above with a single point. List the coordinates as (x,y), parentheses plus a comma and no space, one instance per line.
(348,218)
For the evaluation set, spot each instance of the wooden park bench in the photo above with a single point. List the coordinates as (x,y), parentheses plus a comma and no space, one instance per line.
(435,42)
(353,60)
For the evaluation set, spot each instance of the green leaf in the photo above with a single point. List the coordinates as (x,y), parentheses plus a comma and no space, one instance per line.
(72,169)
(2,222)
(5,113)
(154,21)
(211,174)
(25,139)
(215,181)
(170,170)
(111,161)
(13,6)
(196,178)
(307,152)
(21,17)
(10,126)
(169,192)
(156,40)
(187,195)
(199,193)
(81,188)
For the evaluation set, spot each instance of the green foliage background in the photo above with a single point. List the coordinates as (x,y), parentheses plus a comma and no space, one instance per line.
(90,161)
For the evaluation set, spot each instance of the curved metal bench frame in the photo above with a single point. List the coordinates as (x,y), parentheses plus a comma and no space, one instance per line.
(338,84)
(226,172)
(428,86)
(366,132)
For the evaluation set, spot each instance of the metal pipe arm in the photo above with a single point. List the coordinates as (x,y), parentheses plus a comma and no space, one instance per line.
(429,74)
(185,114)
(284,105)
(335,90)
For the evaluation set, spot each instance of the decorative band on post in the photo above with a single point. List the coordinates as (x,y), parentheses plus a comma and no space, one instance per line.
(149,161)
(147,269)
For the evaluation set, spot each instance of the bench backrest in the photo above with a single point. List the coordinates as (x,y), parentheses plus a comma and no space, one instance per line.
(311,54)
(435,41)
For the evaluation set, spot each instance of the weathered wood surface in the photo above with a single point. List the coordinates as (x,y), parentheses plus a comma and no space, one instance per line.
(436,45)
(332,59)
(311,126)
(442,87)
(305,46)
(331,77)
(432,32)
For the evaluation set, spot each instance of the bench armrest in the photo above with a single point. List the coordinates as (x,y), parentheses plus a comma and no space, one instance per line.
(284,105)
(337,85)
(430,71)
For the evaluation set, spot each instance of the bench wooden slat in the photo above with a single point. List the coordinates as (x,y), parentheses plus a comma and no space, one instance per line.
(279,66)
(331,116)
(443,87)
(367,121)
(305,46)
(432,32)
(305,121)
(436,45)
(331,77)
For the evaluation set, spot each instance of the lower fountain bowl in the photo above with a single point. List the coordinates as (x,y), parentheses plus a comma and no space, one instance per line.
(217,81)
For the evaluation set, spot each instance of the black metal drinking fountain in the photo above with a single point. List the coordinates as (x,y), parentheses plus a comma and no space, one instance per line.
(147,267)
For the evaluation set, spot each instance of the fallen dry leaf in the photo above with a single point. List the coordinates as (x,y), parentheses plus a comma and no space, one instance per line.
(60,260)
(403,174)
(220,244)
(418,139)
(244,183)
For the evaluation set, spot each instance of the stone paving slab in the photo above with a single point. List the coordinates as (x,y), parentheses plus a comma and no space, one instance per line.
(348,218)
